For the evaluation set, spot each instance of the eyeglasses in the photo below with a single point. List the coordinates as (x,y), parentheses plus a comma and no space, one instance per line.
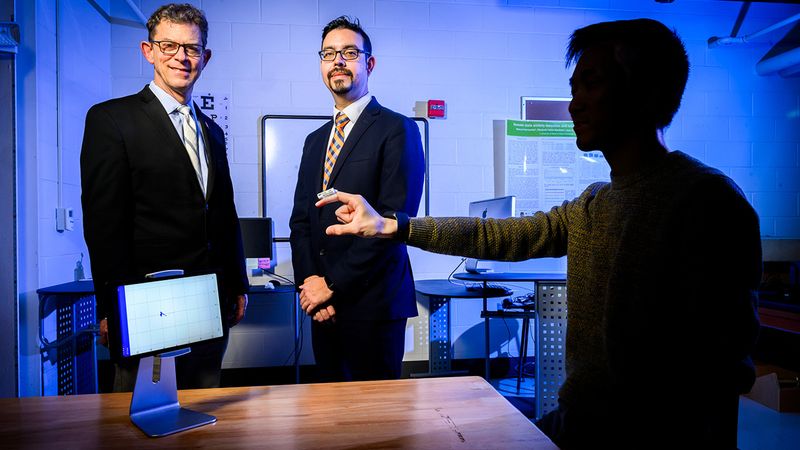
(171,48)
(349,54)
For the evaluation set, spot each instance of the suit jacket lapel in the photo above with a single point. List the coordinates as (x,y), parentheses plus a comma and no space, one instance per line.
(322,142)
(161,122)
(367,117)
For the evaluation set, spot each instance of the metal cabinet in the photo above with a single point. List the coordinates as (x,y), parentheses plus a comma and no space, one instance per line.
(67,327)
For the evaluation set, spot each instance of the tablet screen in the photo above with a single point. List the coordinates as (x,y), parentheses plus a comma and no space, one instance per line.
(164,314)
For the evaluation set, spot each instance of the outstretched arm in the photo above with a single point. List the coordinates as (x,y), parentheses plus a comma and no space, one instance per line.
(512,239)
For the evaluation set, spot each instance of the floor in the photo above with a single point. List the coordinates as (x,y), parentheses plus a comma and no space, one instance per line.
(760,428)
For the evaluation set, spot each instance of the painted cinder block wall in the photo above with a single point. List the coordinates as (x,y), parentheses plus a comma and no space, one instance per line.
(480,56)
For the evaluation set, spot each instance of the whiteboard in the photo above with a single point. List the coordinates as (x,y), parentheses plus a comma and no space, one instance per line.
(282,139)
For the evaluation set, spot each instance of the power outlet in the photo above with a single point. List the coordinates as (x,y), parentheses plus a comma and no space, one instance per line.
(64,220)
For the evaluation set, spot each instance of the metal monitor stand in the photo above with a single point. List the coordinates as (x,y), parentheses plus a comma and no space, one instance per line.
(154,405)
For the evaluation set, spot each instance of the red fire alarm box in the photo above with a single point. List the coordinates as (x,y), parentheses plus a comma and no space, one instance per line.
(437,109)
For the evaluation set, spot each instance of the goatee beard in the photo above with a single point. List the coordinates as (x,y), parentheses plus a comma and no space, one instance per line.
(340,87)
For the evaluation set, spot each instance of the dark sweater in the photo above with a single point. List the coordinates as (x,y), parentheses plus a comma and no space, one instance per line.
(663,268)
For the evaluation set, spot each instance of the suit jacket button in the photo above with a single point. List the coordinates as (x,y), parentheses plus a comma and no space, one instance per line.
(322,252)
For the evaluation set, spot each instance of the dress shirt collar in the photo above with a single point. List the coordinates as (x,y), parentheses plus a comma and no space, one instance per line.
(167,101)
(354,110)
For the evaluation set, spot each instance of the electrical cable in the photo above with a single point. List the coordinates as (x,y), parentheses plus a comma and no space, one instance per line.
(525,372)
(518,286)
(508,341)
(297,350)
(282,278)
(299,344)
(450,277)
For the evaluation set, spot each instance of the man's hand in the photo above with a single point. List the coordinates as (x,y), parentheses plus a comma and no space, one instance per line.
(313,293)
(325,313)
(104,332)
(358,217)
(238,314)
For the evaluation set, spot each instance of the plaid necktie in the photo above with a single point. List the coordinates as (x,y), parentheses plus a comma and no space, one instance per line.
(334,148)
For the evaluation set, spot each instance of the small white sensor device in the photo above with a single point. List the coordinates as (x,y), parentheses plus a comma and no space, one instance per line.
(326,193)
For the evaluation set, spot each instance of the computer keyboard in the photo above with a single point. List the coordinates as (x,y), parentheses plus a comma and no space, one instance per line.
(521,302)
(490,288)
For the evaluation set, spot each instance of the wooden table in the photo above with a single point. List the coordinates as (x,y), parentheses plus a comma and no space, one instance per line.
(432,413)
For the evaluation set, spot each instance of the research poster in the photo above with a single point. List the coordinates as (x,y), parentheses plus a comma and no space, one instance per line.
(538,162)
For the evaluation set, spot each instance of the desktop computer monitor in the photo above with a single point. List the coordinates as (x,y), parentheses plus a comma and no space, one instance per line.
(159,315)
(545,108)
(258,248)
(256,236)
(494,208)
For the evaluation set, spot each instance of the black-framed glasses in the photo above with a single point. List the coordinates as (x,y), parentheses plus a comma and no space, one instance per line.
(349,54)
(171,48)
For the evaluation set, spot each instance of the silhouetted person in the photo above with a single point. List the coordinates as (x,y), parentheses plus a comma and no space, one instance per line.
(663,261)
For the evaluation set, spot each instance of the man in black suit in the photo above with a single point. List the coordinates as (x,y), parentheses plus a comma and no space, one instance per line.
(156,188)
(359,292)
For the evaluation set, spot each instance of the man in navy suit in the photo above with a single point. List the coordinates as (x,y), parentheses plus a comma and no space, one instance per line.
(157,191)
(359,292)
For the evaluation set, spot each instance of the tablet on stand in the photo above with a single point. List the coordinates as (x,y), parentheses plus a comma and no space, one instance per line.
(156,320)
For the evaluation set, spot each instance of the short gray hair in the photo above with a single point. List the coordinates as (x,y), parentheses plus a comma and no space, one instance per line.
(178,13)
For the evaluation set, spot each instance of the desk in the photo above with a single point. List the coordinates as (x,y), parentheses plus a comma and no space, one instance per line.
(440,292)
(433,413)
(551,329)
(254,341)
(67,341)
(525,315)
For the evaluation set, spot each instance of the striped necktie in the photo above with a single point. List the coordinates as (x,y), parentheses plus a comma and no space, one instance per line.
(190,141)
(334,148)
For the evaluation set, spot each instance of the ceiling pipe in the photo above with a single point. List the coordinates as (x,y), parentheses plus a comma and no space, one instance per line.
(780,63)
(138,20)
(790,72)
(716,41)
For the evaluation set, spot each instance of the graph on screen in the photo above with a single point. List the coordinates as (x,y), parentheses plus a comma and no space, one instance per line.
(168,313)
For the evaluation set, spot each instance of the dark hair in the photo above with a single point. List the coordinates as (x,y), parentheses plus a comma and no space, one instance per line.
(348,23)
(652,57)
(178,13)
